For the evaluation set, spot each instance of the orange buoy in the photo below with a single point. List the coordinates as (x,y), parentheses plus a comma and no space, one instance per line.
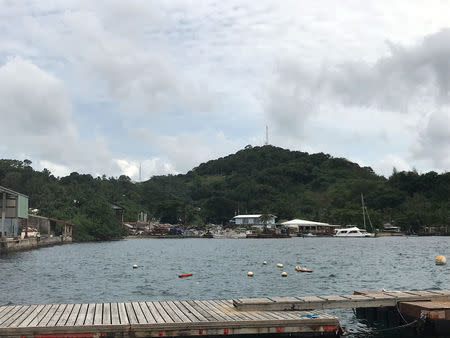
(187,274)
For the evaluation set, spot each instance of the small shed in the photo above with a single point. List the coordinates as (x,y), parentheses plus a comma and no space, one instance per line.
(119,211)
(13,210)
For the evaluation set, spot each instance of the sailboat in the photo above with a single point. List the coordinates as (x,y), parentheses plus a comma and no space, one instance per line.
(355,231)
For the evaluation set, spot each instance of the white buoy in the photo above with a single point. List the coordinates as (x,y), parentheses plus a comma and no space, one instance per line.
(265,263)
(279,265)
(250,274)
(440,260)
(284,274)
(135,266)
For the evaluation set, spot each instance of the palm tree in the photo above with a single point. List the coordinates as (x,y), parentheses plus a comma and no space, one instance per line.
(265,217)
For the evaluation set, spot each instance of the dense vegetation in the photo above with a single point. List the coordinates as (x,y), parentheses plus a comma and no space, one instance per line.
(289,184)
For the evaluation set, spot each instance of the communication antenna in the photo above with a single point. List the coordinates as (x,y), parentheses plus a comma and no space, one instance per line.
(140,172)
(267,135)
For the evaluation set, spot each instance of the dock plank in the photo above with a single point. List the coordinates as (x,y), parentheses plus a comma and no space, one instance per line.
(197,314)
(197,305)
(139,314)
(3,310)
(122,313)
(57,315)
(65,315)
(31,316)
(115,318)
(106,314)
(98,314)
(148,315)
(165,316)
(184,317)
(82,315)
(130,313)
(39,316)
(73,315)
(22,317)
(90,314)
(10,314)
(49,315)
(226,308)
(152,308)
(187,312)
(170,312)
(212,307)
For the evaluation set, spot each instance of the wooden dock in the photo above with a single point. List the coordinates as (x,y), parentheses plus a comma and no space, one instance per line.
(157,319)
(248,316)
(360,299)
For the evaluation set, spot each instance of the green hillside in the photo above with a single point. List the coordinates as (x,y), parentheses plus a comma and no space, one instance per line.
(289,184)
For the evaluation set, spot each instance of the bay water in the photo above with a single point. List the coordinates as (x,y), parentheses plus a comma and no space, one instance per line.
(103,271)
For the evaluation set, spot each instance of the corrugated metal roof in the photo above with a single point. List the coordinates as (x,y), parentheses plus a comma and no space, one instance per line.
(247,216)
(11,192)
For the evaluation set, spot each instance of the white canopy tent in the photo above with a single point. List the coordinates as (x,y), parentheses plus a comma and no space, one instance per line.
(305,226)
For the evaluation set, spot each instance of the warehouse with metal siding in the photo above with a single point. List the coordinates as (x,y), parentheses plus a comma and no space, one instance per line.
(13,209)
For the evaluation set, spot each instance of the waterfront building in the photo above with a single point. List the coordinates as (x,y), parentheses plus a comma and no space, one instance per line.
(258,220)
(13,210)
(302,226)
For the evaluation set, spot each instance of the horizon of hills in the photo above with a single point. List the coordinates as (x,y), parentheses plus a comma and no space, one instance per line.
(266,179)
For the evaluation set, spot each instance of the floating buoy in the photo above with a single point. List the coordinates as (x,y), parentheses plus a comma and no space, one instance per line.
(279,265)
(135,266)
(187,274)
(265,263)
(440,260)
(250,274)
(284,274)
(300,269)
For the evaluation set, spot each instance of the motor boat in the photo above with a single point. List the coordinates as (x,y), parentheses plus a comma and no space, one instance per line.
(352,232)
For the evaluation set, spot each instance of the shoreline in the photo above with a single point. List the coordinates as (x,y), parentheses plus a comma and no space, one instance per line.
(14,245)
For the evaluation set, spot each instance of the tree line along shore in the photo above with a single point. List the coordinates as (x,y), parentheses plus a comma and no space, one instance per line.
(267,179)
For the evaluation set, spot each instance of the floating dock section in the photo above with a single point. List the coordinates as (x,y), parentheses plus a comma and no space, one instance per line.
(159,319)
(428,311)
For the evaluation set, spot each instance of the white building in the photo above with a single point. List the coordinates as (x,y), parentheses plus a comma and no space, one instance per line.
(253,220)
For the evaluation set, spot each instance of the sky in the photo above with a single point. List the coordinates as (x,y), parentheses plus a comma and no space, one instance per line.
(107,86)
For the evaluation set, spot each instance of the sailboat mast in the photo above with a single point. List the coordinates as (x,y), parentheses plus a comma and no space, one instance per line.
(364,214)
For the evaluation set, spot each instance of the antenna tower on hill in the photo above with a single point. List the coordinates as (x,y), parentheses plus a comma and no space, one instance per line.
(267,136)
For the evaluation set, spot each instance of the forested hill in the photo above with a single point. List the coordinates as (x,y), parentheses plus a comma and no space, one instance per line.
(289,184)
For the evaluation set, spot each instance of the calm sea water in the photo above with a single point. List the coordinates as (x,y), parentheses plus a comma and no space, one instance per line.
(100,272)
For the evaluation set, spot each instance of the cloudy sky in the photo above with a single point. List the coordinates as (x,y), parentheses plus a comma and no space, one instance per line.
(101,86)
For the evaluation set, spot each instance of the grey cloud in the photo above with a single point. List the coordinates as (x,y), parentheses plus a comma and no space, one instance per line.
(434,139)
(411,80)
(36,121)
(395,81)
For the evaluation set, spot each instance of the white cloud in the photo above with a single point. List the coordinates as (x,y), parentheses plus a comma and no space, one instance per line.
(387,164)
(145,169)
(37,120)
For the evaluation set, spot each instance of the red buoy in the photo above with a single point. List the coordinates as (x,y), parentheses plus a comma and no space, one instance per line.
(187,274)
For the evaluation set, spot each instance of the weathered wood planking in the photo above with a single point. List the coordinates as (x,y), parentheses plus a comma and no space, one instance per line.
(168,318)
(361,299)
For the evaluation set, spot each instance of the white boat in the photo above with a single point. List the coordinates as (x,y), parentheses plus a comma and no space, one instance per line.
(352,232)
(355,231)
